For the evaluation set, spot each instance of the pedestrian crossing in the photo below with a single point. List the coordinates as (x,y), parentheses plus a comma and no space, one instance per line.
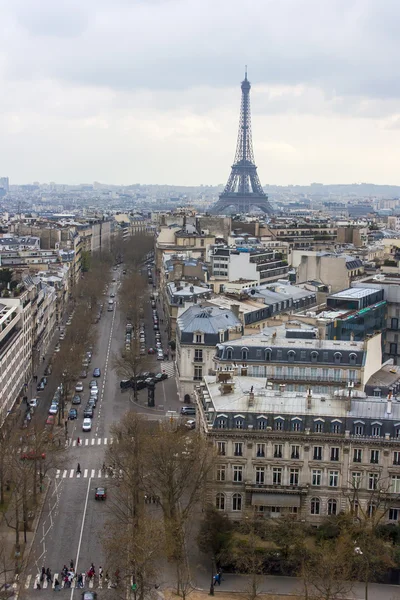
(85,473)
(32,582)
(84,442)
(167,367)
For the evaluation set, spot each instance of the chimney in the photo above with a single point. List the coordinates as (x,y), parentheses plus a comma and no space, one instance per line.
(352,336)
(309,398)
(389,403)
(235,310)
(251,398)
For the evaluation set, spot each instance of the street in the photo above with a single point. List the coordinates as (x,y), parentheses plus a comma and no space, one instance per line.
(72,521)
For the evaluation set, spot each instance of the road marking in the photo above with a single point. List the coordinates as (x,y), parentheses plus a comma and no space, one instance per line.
(58,473)
(93,441)
(81,534)
(100,473)
(65,473)
(106,475)
(45,584)
(93,473)
(86,442)
(105,441)
(37,580)
(28,580)
(54,580)
(99,441)
(71,473)
(85,474)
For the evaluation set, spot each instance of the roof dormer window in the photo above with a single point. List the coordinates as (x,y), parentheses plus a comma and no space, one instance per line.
(338,357)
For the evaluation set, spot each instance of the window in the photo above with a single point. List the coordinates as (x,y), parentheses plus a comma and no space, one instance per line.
(277,476)
(371,510)
(373,481)
(318,426)
(393,514)
(335,427)
(376,430)
(291,355)
(279,425)
(295,452)
(374,457)
(237,502)
(315,506)
(237,474)
(229,353)
(338,357)
(245,353)
(394,323)
(221,472)
(357,455)
(294,477)
(332,507)
(278,453)
(353,358)
(314,357)
(238,449)
(221,423)
(262,424)
(395,484)
(317,453)
(396,458)
(239,424)
(220,501)
(303,355)
(358,429)
(268,355)
(377,393)
(198,373)
(296,425)
(198,338)
(356,479)
(260,449)
(221,448)
(393,349)
(335,454)
(397,432)
(316,477)
(333,478)
(260,475)
(198,354)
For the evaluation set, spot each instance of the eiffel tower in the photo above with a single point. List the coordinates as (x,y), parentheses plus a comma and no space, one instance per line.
(243,190)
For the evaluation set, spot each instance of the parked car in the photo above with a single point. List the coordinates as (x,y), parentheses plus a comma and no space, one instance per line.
(50,420)
(48,369)
(76,399)
(72,414)
(40,386)
(96,372)
(32,455)
(160,377)
(83,374)
(188,410)
(79,387)
(125,384)
(160,355)
(151,351)
(34,403)
(87,424)
(53,410)
(190,424)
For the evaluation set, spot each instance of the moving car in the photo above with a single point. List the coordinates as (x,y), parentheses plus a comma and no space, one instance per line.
(92,402)
(76,399)
(125,384)
(87,424)
(93,383)
(34,403)
(48,369)
(101,493)
(89,595)
(96,372)
(40,386)
(160,355)
(72,414)
(79,387)
(94,392)
(88,413)
(151,351)
(160,377)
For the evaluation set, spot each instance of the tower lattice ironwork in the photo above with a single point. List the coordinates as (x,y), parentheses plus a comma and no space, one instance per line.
(243,190)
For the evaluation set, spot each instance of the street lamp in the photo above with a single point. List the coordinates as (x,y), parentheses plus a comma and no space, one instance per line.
(212,578)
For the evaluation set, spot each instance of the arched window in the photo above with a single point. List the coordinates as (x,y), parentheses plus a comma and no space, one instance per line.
(314,356)
(220,501)
(291,355)
(338,357)
(353,358)
(245,353)
(332,506)
(237,502)
(315,506)
(268,354)
(229,353)
(221,423)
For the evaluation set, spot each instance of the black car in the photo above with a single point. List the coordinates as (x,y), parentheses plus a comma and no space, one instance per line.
(40,386)
(88,413)
(92,401)
(160,377)
(146,374)
(72,414)
(76,399)
(125,384)
(48,370)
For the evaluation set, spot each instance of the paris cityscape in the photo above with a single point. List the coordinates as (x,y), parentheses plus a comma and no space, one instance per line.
(199,300)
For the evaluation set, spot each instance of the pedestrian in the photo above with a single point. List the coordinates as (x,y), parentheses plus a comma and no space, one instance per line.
(100,572)
(64,571)
(78,441)
(38,586)
(78,470)
(106,578)
(71,564)
(93,569)
(80,580)
(43,574)
(48,575)
(57,586)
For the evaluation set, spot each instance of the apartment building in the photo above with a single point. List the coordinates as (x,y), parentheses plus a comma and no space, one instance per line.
(310,234)
(16,326)
(306,455)
(337,271)
(198,330)
(292,357)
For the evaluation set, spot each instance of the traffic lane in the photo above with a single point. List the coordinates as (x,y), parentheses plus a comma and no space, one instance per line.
(58,533)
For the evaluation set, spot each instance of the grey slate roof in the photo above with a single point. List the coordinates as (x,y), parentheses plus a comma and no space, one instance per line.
(207,319)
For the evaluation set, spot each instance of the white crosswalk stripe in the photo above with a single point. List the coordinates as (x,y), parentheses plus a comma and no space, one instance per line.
(168,367)
(85,474)
(89,442)
(93,473)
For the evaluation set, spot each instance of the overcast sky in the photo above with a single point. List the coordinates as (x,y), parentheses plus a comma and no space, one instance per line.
(131,91)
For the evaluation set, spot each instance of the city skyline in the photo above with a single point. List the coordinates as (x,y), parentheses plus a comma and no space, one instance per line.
(148,92)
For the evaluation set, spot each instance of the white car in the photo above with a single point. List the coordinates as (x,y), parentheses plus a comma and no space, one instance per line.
(94,391)
(53,410)
(34,403)
(160,355)
(79,387)
(87,424)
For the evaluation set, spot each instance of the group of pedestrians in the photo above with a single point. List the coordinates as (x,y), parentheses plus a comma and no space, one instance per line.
(67,576)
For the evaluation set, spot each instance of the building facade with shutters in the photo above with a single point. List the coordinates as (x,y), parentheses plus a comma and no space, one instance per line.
(299,454)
